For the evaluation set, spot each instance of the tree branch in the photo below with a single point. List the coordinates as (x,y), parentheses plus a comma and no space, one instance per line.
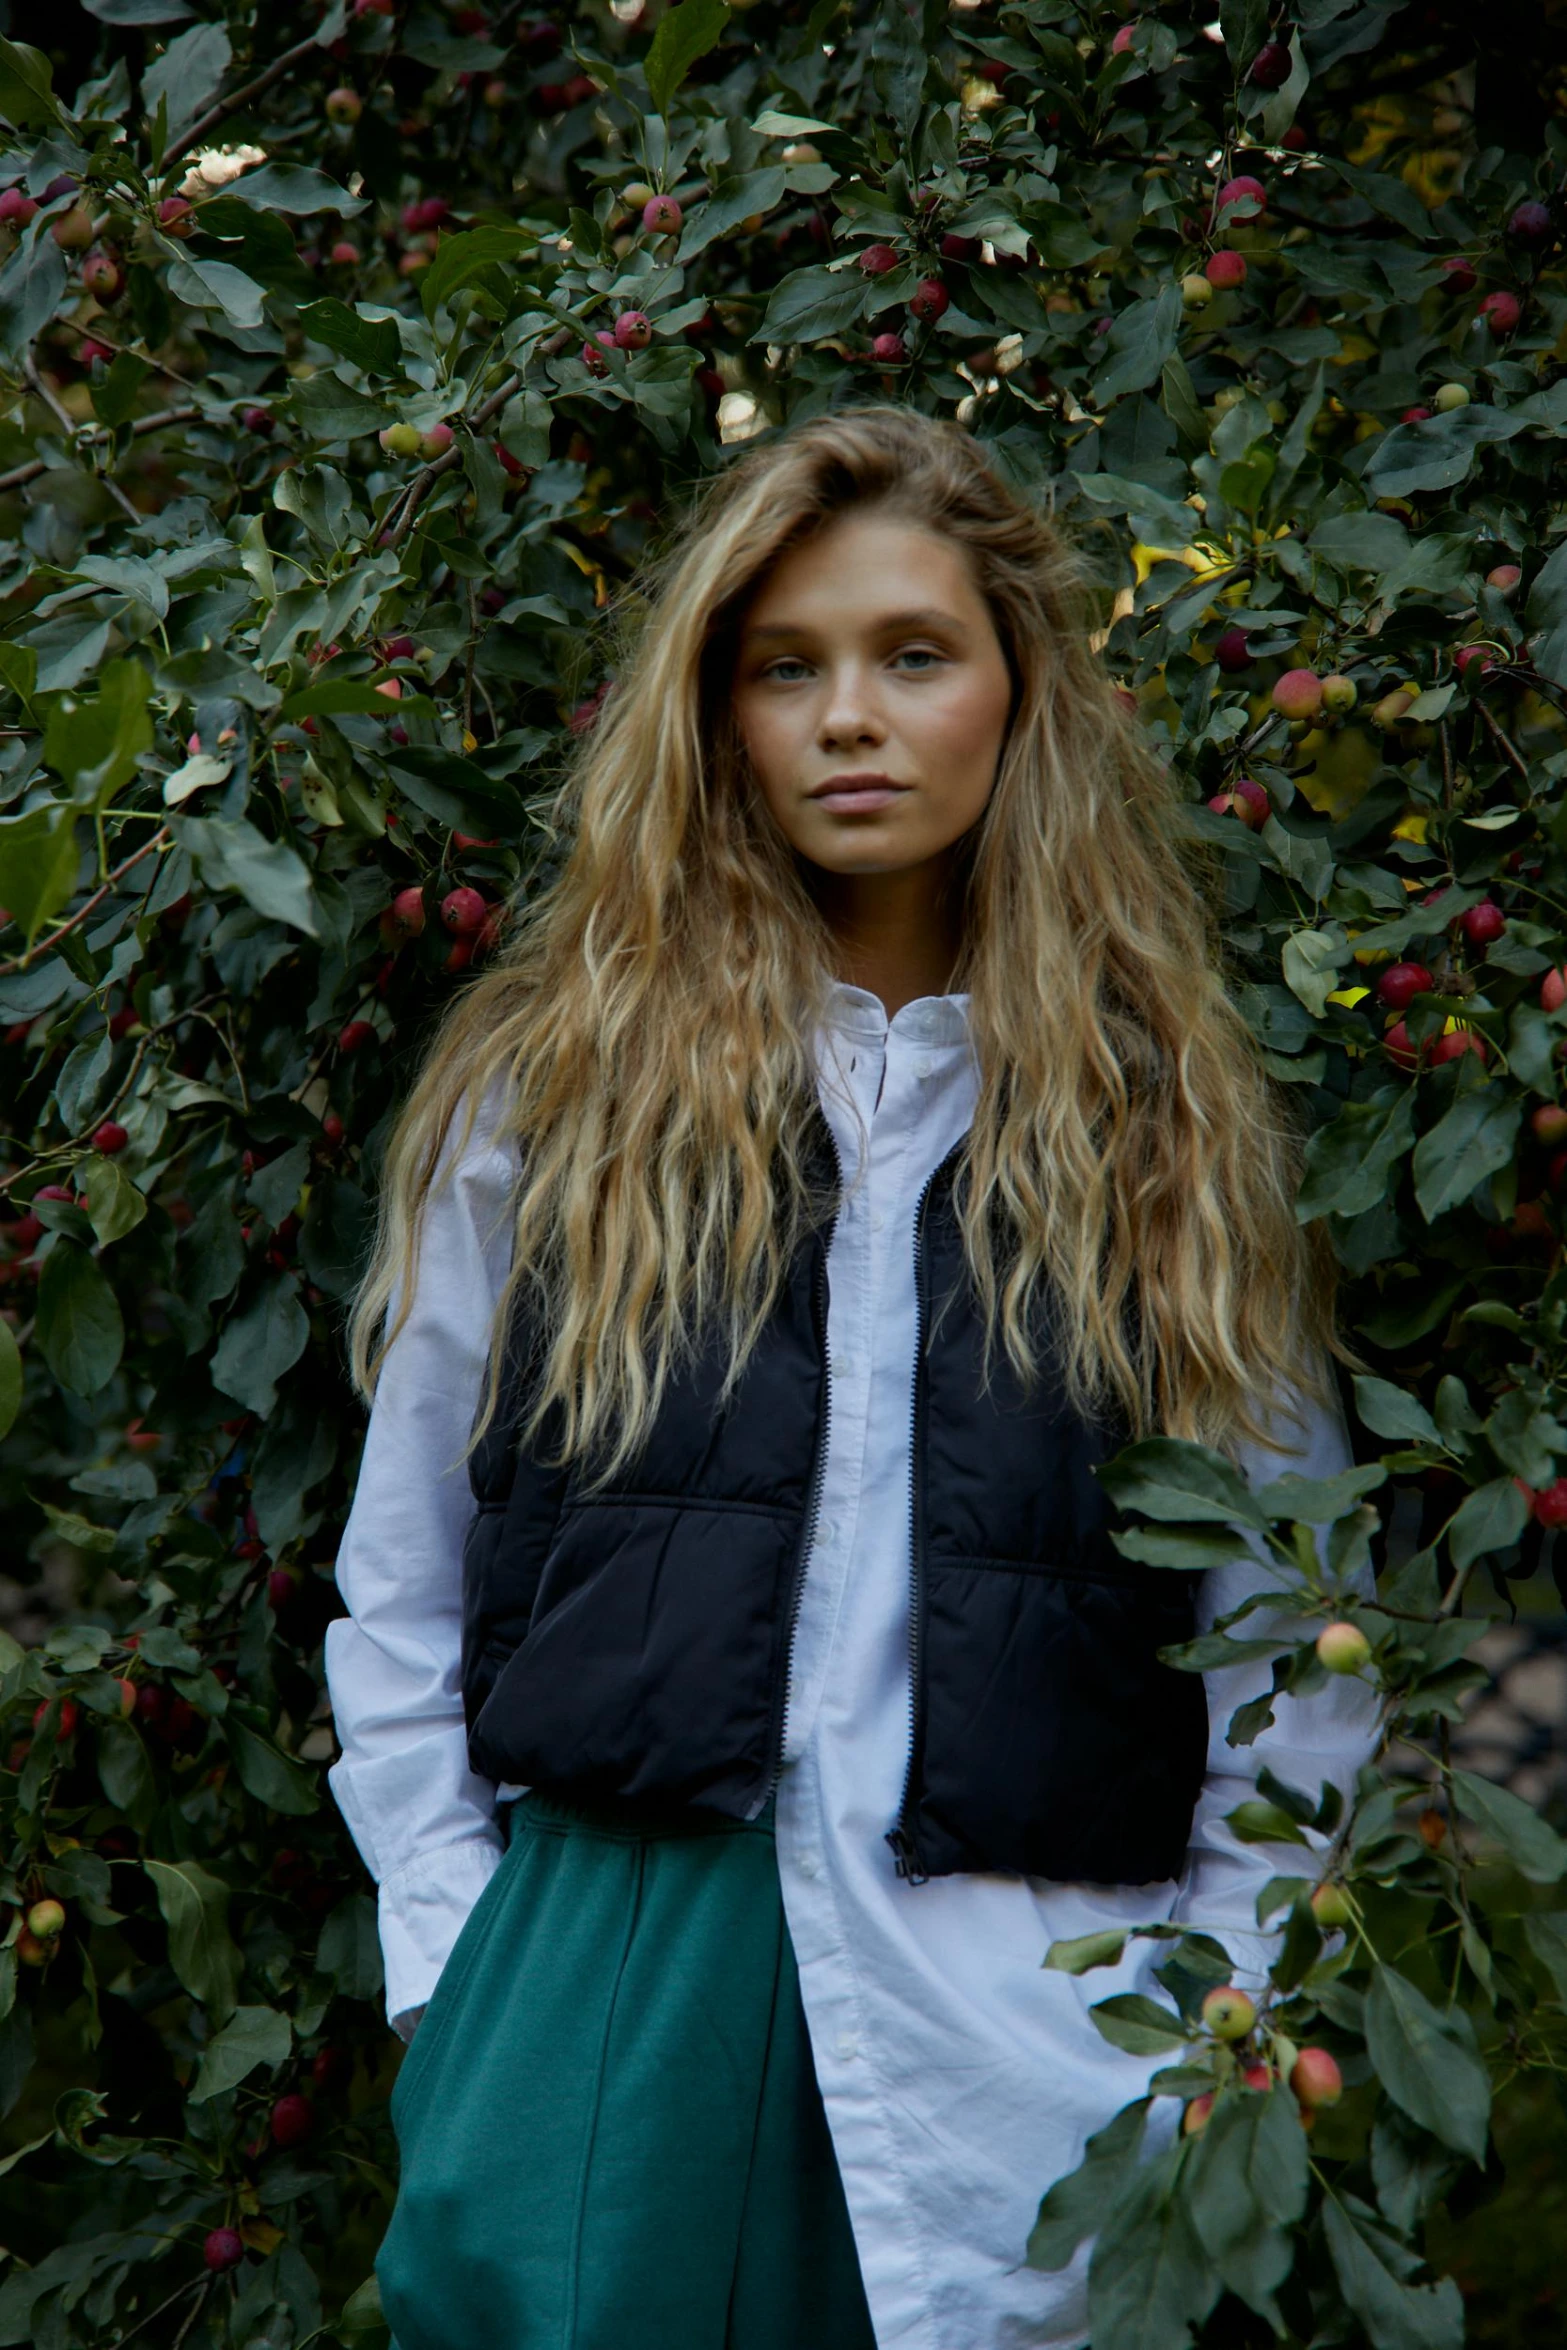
(24,962)
(237,98)
(30,472)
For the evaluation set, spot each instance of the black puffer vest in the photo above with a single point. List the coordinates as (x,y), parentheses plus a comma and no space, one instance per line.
(636,1642)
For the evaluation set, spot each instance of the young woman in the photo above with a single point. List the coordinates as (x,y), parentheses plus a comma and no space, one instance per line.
(854,1146)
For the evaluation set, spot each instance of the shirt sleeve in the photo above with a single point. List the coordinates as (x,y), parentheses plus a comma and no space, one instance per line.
(424,1822)
(1325,1736)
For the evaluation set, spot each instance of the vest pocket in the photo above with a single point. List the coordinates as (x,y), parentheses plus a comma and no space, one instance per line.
(1054,1743)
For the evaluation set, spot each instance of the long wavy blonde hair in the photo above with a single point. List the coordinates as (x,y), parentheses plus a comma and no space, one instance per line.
(649,1023)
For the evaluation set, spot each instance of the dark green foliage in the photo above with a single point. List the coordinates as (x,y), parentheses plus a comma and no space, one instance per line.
(211,569)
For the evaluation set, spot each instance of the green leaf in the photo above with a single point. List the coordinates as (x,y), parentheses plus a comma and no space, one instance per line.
(275,1188)
(1478,1135)
(218,285)
(274,1778)
(38,860)
(261,1342)
(81,1332)
(290,187)
(1489,1519)
(732,201)
(1530,1842)
(1083,1951)
(1149,2279)
(1437,454)
(1183,1548)
(1143,337)
(268,874)
(1348,1163)
(31,285)
(252,2036)
(330,410)
(335,1235)
(1065,240)
(810,304)
(195,1908)
(361,2324)
(456,790)
(1361,542)
(114,400)
(1137,2024)
(26,86)
(373,344)
(1263,1823)
(124,1771)
(1317,1501)
(1396,2316)
(350,1948)
(10,1378)
(464,257)
(1392,1411)
(1181,403)
(1525,1438)
(1075,2206)
(1247,2181)
(684,34)
(95,744)
(188,74)
(113,1201)
(1428,2062)
(1178,1482)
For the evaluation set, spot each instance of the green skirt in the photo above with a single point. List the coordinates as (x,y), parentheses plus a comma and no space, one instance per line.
(610,2129)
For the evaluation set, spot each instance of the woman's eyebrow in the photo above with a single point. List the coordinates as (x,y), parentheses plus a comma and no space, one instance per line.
(924,616)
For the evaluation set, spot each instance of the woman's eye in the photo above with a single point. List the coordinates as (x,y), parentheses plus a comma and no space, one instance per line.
(909,653)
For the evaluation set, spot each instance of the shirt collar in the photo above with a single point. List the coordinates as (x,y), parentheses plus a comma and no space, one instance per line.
(933,1019)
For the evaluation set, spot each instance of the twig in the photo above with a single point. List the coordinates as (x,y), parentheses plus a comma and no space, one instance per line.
(238,98)
(1446,741)
(24,962)
(93,332)
(473,653)
(190,2285)
(63,416)
(406,504)
(195,2311)
(30,472)
(1503,741)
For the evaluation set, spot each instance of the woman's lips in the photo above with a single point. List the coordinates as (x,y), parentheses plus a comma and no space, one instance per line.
(859,798)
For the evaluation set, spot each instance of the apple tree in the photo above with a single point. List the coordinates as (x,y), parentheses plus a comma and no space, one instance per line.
(348,361)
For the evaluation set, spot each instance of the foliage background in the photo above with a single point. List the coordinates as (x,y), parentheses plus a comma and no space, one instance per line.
(259,675)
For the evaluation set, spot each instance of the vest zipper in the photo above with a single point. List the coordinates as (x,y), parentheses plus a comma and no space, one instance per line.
(902,1839)
(813,1505)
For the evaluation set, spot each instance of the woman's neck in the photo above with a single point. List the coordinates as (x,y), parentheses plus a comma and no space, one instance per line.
(896,933)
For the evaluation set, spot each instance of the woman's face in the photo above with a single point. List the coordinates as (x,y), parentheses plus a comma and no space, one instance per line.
(870,654)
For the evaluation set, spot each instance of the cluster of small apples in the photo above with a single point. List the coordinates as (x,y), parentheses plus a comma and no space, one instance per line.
(1304,698)
(41,1932)
(929,301)
(1312,2074)
(1243,198)
(407,440)
(632,331)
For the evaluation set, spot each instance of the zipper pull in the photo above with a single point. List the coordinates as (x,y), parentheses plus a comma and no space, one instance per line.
(907,1854)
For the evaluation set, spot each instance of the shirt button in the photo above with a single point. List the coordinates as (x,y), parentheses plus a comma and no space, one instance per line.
(825,1533)
(922,1066)
(810,1866)
(878,1220)
(848,2045)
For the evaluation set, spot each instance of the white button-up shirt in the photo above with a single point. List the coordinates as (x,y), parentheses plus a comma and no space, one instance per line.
(959,2078)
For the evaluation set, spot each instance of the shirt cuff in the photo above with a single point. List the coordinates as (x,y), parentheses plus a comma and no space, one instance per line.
(421,1910)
